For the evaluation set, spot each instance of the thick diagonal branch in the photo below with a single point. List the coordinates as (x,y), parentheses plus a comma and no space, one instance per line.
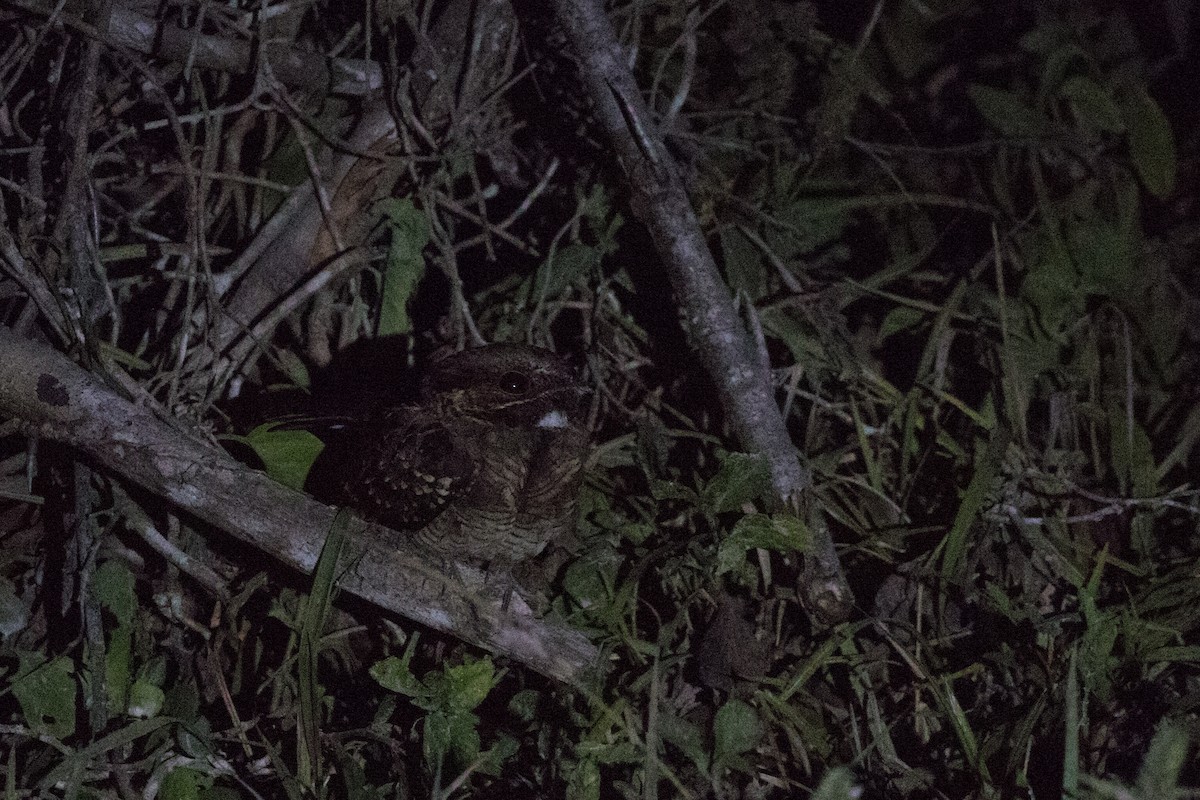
(60,401)
(710,321)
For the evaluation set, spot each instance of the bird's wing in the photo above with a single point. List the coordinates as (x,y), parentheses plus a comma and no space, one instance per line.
(412,467)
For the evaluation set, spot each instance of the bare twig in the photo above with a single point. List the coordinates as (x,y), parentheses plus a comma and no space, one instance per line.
(710,322)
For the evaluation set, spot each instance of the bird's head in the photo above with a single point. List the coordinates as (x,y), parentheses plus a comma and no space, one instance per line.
(512,384)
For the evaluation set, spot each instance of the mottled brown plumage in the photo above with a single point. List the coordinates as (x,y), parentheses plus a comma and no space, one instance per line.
(486,467)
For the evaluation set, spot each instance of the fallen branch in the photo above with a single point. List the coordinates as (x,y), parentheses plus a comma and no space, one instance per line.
(710,322)
(60,401)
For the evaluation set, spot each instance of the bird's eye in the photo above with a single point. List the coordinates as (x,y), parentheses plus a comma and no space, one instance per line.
(514,383)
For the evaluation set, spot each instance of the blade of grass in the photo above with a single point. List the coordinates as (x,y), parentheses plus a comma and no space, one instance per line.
(312,625)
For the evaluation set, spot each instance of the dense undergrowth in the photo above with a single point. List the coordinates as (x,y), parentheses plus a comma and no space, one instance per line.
(965,236)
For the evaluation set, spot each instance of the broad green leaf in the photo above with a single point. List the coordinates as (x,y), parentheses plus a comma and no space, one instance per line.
(743,264)
(405,266)
(393,674)
(113,587)
(1075,707)
(492,760)
(1060,63)
(1092,104)
(524,704)
(637,532)
(47,695)
(838,784)
(293,367)
(1105,258)
(670,490)
(1151,142)
(784,533)
(685,735)
(181,700)
(736,730)
(1046,37)
(468,684)
(1006,112)
(1052,285)
(900,318)
(145,699)
(450,733)
(287,455)
(181,783)
(1159,775)
(583,782)
(562,269)
(589,580)
(742,478)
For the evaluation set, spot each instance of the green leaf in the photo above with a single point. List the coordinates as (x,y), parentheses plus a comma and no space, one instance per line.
(468,684)
(113,587)
(637,532)
(405,266)
(524,704)
(450,732)
(742,478)
(685,735)
(743,264)
(1105,257)
(1046,37)
(287,455)
(313,616)
(181,783)
(1151,142)
(47,695)
(989,459)
(291,365)
(1159,776)
(784,533)
(590,578)
(900,319)
(583,781)
(838,784)
(145,700)
(393,674)
(670,490)
(492,760)
(86,756)
(736,729)
(1006,112)
(563,268)
(1092,104)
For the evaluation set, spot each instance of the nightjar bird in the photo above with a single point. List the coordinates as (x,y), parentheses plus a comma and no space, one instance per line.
(485,468)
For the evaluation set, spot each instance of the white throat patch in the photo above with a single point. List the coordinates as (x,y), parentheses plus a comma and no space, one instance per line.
(553,419)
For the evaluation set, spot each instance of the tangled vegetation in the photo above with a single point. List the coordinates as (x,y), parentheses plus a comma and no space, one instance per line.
(962,234)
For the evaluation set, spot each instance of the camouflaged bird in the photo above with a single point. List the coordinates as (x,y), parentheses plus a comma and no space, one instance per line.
(486,467)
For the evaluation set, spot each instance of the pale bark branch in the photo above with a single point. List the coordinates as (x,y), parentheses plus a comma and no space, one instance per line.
(60,401)
(707,310)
